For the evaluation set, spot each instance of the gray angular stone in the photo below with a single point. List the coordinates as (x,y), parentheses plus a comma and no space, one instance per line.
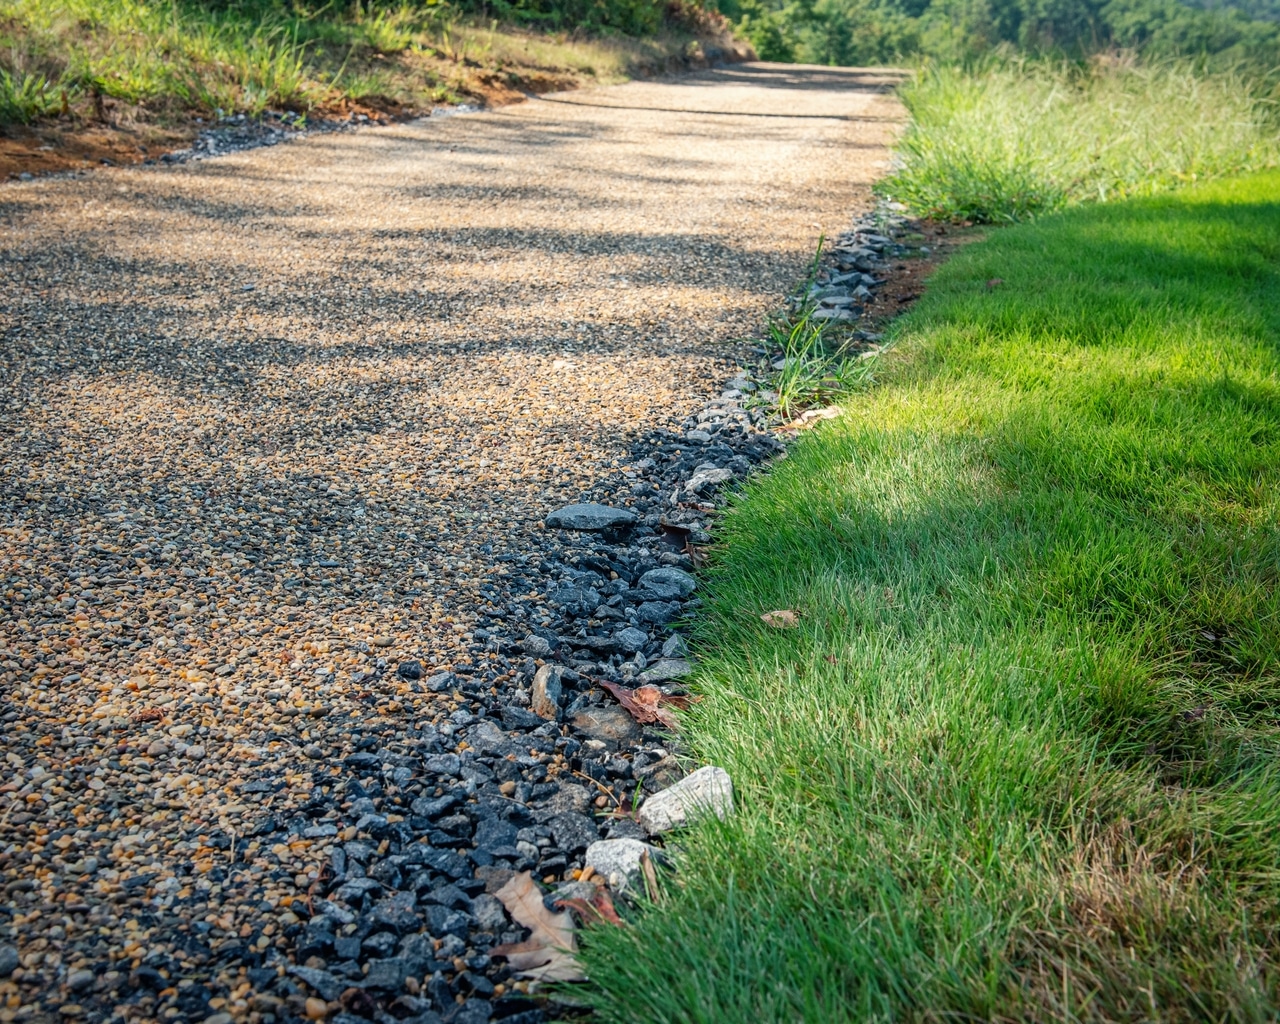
(327,986)
(666,670)
(537,646)
(590,517)
(707,478)
(442,764)
(546,693)
(397,912)
(569,797)
(675,647)
(657,612)
(617,861)
(631,639)
(387,974)
(573,832)
(489,913)
(669,583)
(709,790)
(473,1011)
(440,682)
(487,738)
(579,601)
(610,724)
(9,961)
(494,832)
(515,717)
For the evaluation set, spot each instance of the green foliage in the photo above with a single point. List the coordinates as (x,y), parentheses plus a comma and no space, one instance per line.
(876,31)
(1021,139)
(815,368)
(1018,760)
(25,96)
(247,55)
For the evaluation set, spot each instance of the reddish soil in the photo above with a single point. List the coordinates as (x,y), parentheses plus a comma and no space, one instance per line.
(905,278)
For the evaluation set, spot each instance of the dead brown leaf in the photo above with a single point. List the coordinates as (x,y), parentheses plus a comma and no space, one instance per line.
(598,909)
(547,954)
(782,619)
(645,704)
(148,715)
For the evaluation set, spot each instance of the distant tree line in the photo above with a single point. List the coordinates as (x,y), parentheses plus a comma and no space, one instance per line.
(1229,33)
(873,31)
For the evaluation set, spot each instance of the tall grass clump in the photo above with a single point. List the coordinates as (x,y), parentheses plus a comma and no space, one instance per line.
(1021,139)
(1019,758)
(24,96)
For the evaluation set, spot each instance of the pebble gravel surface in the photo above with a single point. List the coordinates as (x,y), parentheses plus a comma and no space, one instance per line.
(293,673)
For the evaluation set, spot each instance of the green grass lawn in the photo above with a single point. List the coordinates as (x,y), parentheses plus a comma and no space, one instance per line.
(1021,760)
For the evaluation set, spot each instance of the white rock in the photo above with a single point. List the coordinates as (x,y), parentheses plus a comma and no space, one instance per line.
(707,791)
(707,478)
(617,861)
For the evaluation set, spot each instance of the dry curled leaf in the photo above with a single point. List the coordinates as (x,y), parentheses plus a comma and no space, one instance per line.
(148,715)
(782,619)
(598,909)
(547,954)
(645,704)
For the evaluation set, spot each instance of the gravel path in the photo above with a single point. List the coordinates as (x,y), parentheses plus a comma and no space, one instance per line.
(278,436)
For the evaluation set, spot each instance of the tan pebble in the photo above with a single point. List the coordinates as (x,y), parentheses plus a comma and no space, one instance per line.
(316,1008)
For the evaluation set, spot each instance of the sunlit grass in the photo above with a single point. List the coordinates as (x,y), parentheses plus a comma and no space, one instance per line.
(1026,138)
(1021,759)
(246,57)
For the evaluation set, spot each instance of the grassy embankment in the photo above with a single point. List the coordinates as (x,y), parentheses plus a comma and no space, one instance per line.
(130,59)
(1025,138)
(1021,758)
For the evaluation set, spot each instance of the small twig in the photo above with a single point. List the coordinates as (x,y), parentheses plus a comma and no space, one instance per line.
(599,785)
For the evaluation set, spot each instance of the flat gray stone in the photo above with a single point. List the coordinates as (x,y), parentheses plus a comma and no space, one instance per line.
(617,861)
(537,646)
(707,478)
(569,797)
(668,583)
(590,517)
(9,961)
(487,738)
(665,670)
(573,832)
(707,791)
(631,639)
(610,724)
(489,912)
(327,986)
